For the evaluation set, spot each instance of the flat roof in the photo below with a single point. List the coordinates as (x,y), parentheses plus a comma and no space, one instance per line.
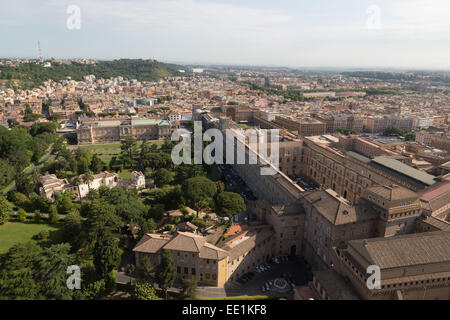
(358,156)
(149,121)
(405,170)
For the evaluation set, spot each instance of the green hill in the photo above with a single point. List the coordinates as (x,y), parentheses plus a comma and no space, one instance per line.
(31,74)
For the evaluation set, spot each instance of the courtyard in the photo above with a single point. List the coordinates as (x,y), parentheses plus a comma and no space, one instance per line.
(296,267)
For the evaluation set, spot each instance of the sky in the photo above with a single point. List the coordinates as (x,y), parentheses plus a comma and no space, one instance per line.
(412,34)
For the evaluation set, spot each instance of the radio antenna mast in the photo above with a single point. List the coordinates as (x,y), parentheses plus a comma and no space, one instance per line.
(41,58)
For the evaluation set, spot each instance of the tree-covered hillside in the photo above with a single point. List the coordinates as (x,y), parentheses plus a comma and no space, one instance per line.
(32,74)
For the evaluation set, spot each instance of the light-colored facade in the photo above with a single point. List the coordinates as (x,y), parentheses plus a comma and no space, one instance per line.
(113,131)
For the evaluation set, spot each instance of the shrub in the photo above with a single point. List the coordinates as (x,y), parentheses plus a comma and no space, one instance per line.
(37,216)
(43,235)
(22,215)
(110,282)
(131,269)
(184,210)
(143,290)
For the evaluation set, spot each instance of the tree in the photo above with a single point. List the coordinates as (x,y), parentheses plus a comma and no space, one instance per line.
(156,212)
(143,290)
(71,227)
(13,123)
(220,186)
(410,136)
(184,172)
(17,272)
(7,173)
(394,131)
(199,191)
(5,210)
(37,216)
(52,276)
(111,282)
(149,226)
(146,269)
(65,205)
(129,149)
(101,219)
(22,215)
(96,164)
(24,183)
(21,201)
(53,215)
(165,272)
(43,235)
(88,178)
(162,177)
(106,254)
(189,287)
(93,194)
(229,203)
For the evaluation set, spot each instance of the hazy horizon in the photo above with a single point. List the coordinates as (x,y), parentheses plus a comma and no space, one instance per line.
(357,34)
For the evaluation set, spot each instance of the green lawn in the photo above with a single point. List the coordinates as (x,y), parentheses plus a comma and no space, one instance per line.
(16,232)
(101,146)
(106,159)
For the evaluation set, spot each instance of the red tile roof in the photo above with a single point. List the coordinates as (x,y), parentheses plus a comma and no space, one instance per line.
(236,228)
(427,196)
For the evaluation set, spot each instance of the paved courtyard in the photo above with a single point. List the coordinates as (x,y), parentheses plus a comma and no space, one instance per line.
(296,266)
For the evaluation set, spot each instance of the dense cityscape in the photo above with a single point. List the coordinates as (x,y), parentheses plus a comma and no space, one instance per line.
(87,180)
(224,159)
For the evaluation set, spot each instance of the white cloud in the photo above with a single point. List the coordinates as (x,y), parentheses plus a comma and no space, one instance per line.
(428,17)
(412,31)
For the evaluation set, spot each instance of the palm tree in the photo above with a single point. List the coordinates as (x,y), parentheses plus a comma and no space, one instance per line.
(88,178)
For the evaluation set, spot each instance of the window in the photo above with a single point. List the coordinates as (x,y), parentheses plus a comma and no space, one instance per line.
(214,277)
(193,271)
(178,270)
(207,276)
(186,270)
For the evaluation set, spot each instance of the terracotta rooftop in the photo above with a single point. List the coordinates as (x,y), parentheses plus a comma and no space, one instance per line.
(436,192)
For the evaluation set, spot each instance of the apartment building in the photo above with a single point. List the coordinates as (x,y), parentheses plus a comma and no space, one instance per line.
(376,124)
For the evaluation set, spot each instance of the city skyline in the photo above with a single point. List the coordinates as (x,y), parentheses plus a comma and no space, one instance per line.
(355,34)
